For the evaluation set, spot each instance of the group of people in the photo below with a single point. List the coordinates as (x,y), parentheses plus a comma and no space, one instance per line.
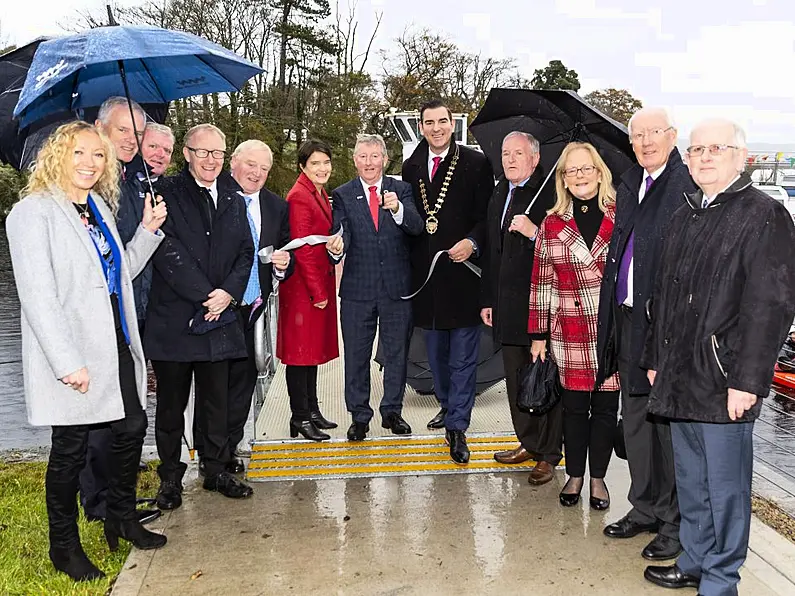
(667,294)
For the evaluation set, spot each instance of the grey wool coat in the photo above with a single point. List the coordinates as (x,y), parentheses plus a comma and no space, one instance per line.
(67,318)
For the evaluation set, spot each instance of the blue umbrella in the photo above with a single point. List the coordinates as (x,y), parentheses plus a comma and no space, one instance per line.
(146,64)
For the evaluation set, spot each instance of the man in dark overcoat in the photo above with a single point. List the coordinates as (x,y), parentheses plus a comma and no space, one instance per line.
(505,294)
(378,219)
(451,185)
(193,328)
(647,196)
(722,305)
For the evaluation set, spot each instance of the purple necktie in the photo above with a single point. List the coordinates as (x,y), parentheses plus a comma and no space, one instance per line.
(622,291)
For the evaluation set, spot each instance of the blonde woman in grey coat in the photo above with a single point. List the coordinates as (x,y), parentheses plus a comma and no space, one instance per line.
(83,363)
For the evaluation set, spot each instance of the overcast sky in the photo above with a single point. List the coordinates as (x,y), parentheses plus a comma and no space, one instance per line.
(698,57)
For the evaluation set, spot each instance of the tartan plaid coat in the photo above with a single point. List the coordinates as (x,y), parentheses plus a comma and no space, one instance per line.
(564,297)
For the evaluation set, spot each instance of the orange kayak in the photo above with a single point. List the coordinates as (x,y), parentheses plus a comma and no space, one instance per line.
(782,378)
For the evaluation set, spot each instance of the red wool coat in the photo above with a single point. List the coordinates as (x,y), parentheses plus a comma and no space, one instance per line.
(307,335)
(564,297)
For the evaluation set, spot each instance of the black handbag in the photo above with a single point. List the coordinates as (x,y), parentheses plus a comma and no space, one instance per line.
(619,446)
(539,386)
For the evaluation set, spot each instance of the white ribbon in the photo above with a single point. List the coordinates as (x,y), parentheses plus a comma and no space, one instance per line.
(266,253)
(473,268)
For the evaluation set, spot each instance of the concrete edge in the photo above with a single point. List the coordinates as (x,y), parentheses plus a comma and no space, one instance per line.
(133,573)
(771,558)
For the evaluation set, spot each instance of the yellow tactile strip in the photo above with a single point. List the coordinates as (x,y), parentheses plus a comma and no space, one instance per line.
(293,460)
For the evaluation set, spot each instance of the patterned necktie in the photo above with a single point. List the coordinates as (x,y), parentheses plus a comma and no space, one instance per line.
(505,219)
(622,283)
(436,161)
(705,203)
(374,205)
(252,288)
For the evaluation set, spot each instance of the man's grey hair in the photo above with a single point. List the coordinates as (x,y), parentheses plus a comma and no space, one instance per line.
(254,145)
(660,110)
(371,140)
(534,146)
(110,104)
(202,128)
(739,132)
(162,129)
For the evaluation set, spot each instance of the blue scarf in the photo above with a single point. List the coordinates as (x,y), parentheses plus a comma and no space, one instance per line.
(115,271)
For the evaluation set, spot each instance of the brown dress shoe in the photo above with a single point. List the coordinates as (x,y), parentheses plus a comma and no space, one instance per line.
(513,456)
(542,473)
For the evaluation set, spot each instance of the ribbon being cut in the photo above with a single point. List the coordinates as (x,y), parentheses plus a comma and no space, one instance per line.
(266,253)
(473,268)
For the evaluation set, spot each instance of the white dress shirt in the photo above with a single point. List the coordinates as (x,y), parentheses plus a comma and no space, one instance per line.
(641,195)
(255,212)
(398,215)
(431,155)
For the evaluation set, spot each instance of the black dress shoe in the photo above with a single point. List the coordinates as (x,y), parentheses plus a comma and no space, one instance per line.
(169,495)
(396,424)
(357,431)
(438,420)
(320,422)
(662,548)
(133,532)
(626,528)
(228,485)
(235,466)
(670,577)
(308,430)
(459,451)
(596,503)
(569,499)
(146,516)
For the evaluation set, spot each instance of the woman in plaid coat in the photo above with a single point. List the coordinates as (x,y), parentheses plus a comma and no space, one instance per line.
(570,255)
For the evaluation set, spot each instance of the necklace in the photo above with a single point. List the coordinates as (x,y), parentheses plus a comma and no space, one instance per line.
(432,224)
(83,210)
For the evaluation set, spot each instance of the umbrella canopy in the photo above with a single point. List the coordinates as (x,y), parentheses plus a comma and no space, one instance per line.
(555,118)
(155,65)
(18,147)
(490,369)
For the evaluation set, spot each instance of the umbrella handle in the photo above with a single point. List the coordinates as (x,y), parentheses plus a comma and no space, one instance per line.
(138,139)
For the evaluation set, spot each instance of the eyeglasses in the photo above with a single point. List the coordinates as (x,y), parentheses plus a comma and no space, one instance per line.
(698,150)
(654,134)
(586,171)
(202,153)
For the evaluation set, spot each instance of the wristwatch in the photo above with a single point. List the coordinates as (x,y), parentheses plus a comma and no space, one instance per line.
(474,245)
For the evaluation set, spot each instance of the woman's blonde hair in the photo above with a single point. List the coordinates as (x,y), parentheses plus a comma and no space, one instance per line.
(50,167)
(607,194)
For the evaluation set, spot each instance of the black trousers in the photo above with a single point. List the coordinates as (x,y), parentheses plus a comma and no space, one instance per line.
(589,427)
(302,388)
(242,381)
(173,392)
(652,490)
(68,458)
(541,435)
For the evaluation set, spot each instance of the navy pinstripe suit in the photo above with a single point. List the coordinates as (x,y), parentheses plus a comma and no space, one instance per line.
(376,274)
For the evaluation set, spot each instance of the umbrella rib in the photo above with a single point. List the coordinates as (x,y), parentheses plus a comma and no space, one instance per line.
(223,76)
(154,81)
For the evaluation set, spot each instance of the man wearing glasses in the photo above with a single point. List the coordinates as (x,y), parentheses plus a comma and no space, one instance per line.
(723,303)
(647,196)
(193,329)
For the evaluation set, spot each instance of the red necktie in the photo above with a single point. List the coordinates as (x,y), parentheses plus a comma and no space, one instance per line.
(436,161)
(374,205)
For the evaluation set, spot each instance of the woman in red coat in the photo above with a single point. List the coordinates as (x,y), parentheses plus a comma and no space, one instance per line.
(570,255)
(307,323)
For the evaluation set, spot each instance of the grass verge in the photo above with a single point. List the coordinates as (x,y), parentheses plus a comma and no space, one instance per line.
(774,516)
(25,566)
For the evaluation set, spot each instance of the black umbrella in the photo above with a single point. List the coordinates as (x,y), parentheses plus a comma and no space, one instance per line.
(555,118)
(490,370)
(18,147)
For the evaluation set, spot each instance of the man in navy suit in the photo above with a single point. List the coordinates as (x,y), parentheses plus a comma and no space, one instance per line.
(378,215)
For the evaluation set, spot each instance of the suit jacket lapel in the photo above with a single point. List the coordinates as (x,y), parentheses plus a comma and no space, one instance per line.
(361,198)
(571,238)
(602,241)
